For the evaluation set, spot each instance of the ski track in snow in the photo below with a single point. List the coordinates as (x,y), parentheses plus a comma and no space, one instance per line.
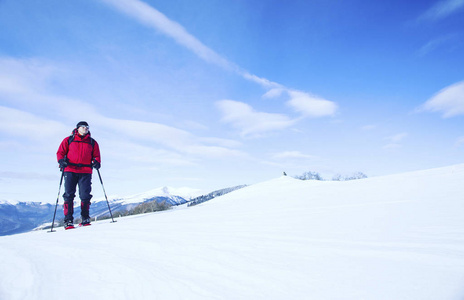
(392,237)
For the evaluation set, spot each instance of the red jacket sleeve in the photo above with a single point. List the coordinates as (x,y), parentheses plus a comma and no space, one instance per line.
(63,149)
(96,152)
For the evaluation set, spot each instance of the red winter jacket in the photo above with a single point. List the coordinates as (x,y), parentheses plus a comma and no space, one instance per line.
(80,151)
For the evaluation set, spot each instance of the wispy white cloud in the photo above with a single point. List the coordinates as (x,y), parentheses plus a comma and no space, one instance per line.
(21,75)
(394,141)
(449,101)
(33,108)
(173,138)
(274,93)
(26,176)
(266,83)
(153,18)
(22,124)
(28,84)
(434,44)
(311,106)
(252,123)
(397,137)
(134,153)
(302,102)
(249,122)
(441,10)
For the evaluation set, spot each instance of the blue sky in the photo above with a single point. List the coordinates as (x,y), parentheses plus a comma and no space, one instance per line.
(210,94)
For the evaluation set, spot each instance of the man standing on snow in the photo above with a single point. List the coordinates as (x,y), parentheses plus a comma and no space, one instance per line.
(77,155)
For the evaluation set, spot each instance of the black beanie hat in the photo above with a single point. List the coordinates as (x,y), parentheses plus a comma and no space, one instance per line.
(82,123)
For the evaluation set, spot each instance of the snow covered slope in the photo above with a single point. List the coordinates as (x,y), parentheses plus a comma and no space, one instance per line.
(393,237)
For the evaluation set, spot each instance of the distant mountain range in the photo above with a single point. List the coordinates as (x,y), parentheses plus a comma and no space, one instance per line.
(25,216)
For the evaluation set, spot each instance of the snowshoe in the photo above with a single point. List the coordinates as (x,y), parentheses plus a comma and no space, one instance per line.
(68,225)
(85,222)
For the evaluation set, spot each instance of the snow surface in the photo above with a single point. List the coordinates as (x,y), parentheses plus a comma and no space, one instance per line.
(392,237)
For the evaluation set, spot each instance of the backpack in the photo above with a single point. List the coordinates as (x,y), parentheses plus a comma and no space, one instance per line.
(71,139)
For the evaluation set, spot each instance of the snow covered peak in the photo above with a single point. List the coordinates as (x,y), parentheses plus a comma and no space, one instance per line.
(10,202)
(165,191)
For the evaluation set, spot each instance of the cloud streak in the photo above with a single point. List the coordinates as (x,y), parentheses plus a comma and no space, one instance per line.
(301,102)
(448,101)
(180,140)
(311,106)
(395,141)
(441,10)
(153,18)
(32,93)
(27,125)
(435,44)
(249,122)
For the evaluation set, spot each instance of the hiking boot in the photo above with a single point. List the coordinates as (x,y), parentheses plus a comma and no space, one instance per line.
(68,224)
(85,222)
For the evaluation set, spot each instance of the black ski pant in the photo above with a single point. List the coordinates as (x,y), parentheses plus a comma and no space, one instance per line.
(71,181)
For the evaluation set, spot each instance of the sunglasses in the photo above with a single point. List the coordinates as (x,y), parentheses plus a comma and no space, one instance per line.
(85,126)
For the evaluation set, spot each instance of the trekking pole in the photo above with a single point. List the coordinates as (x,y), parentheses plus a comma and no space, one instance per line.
(57,198)
(105,196)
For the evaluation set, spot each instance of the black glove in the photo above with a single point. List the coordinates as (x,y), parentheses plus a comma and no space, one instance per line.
(96,165)
(63,163)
